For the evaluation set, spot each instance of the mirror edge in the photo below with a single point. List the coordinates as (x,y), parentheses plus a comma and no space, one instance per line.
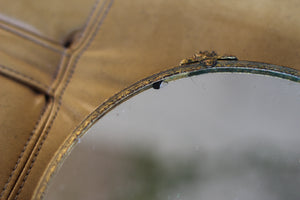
(182,71)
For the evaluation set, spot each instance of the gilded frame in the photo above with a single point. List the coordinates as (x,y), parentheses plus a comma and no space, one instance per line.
(233,66)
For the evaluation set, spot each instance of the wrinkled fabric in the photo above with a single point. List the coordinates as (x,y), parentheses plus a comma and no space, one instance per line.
(59,60)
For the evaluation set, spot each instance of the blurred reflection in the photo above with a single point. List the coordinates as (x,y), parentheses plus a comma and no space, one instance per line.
(214,136)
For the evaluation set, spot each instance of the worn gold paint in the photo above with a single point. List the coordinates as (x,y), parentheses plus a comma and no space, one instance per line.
(207,58)
(221,64)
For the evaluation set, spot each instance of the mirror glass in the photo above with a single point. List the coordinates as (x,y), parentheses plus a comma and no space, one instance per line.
(215,136)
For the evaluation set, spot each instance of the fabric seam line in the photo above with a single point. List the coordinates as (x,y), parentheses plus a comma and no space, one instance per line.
(60,96)
(58,68)
(24,148)
(41,42)
(30,79)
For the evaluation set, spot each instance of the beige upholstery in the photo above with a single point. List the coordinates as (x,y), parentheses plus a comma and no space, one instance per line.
(52,79)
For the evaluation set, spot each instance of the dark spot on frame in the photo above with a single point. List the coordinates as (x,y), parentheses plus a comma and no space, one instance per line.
(156,85)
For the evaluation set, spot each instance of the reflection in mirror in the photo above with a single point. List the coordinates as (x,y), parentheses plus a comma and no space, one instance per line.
(216,136)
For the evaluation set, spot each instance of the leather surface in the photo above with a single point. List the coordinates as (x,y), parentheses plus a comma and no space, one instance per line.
(122,42)
(29,59)
(20,111)
(52,21)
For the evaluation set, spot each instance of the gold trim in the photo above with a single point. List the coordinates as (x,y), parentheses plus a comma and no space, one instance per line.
(169,75)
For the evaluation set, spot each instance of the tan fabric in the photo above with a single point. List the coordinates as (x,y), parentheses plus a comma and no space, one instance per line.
(52,20)
(21,110)
(121,43)
(28,58)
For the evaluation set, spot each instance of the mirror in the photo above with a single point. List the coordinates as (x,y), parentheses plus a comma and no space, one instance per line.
(215,136)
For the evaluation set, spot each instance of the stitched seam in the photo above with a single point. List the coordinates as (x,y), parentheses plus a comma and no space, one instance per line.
(42,85)
(60,99)
(50,89)
(89,19)
(45,136)
(81,35)
(23,151)
(64,52)
(98,25)
(25,36)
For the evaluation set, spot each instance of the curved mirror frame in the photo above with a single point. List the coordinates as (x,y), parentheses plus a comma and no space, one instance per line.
(155,81)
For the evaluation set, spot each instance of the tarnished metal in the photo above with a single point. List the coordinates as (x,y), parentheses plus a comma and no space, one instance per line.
(200,63)
(206,58)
